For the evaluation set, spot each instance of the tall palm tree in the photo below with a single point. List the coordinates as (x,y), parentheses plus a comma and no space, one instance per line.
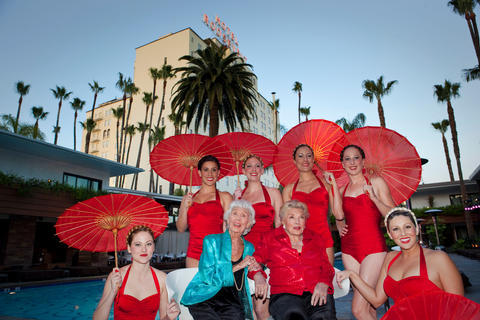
(61,94)
(23,129)
(442,127)
(130,132)
(155,75)
(305,111)
(118,114)
(377,90)
(142,128)
(297,87)
(157,135)
(22,90)
(465,8)
(38,114)
(275,105)
(357,122)
(165,73)
(77,104)
(96,89)
(215,86)
(122,84)
(88,125)
(131,91)
(445,93)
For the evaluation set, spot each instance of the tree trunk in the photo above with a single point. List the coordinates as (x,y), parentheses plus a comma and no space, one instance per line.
(15,128)
(299,99)
(57,130)
(150,186)
(75,131)
(447,156)
(126,160)
(135,177)
(472,27)
(380,113)
(35,130)
(456,150)
(89,132)
(118,152)
(122,131)
(275,115)
(214,120)
(163,103)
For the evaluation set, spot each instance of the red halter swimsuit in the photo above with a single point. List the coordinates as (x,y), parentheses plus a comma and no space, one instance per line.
(410,286)
(128,307)
(317,203)
(203,219)
(264,219)
(364,236)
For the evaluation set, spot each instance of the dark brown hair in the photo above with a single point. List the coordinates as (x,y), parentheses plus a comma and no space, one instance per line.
(362,153)
(299,146)
(208,158)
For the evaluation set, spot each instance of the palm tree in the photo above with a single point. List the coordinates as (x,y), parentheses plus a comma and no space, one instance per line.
(357,122)
(142,128)
(306,112)
(215,86)
(465,8)
(156,135)
(96,89)
(88,125)
(275,105)
(131,91)
(77,104)
(297,87)
(22,90)
(61,94)
(129,131)
(38,114)
(122,84)
(155,75)
(165,73)
(23,129)
(377,90)
(444,94)
(118,114)
(442,127)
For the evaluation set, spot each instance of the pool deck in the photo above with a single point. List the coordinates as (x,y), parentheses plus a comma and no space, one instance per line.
(468,266)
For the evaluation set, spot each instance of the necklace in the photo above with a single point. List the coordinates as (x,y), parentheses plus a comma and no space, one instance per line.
(235,281)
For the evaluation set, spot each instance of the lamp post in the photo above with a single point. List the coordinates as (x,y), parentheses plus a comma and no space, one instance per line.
(275,114)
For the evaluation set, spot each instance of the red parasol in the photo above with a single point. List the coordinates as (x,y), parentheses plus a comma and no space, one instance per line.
(321,135)
(432,306)
(175,158)
(243,144)
(99,223)
(387,154)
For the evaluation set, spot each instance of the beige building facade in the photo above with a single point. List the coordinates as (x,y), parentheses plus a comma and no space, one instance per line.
(168,48)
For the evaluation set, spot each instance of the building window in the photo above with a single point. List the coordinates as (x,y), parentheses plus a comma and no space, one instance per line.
(104,134)
(108,132)
(163,121)
(81,182)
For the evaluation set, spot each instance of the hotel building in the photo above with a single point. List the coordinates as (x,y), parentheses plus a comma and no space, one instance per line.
(167,48)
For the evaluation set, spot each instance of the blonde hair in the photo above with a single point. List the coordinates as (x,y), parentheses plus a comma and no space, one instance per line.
(293,204)
(252,156)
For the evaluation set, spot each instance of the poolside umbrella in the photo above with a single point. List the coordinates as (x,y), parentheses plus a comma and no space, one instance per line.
(175,159)
(387,154)
(321,135)
(243,144)
(101,224)
(433,305)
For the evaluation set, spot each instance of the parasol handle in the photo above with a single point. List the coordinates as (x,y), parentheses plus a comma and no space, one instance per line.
(115,241)
(191,172)
(238,174)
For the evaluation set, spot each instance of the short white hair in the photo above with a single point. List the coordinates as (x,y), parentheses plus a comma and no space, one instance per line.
(241,204)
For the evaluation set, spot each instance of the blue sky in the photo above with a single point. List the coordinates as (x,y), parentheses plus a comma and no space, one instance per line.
(328,46)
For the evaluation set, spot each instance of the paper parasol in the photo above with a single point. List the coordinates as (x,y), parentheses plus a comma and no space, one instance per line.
(101,224)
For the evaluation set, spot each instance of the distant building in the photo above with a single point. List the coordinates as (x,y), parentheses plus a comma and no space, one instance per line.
(443,194)
(167,48)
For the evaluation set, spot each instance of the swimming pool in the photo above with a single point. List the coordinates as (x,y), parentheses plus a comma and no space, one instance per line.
(54,302)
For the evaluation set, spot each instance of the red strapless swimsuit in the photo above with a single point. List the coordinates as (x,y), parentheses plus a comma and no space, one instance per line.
(317,203)
(203,219)
(264,219)
(364,236)
(410,286)
(128,307)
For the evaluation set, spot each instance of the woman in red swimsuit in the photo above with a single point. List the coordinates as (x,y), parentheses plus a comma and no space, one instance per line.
(266,202)
(410,272)
(364,203)
(137,290)
(202,212)
(316,193)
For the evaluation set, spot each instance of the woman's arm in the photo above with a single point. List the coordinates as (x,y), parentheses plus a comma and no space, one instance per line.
(277,203)
(450,278)
(335,202)
(376,296)
(225,198)
(287,192)
(114,281)
(380,194)
(182,220)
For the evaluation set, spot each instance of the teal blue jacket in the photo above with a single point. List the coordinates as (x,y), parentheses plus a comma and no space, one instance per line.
(215,269)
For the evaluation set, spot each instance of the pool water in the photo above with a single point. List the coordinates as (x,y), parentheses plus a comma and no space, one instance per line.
(54,302)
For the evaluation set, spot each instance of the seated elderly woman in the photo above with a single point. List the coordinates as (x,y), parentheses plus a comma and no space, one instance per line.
(300,272)
(220,288)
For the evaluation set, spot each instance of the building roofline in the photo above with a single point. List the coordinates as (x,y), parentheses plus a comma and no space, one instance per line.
(168,35)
